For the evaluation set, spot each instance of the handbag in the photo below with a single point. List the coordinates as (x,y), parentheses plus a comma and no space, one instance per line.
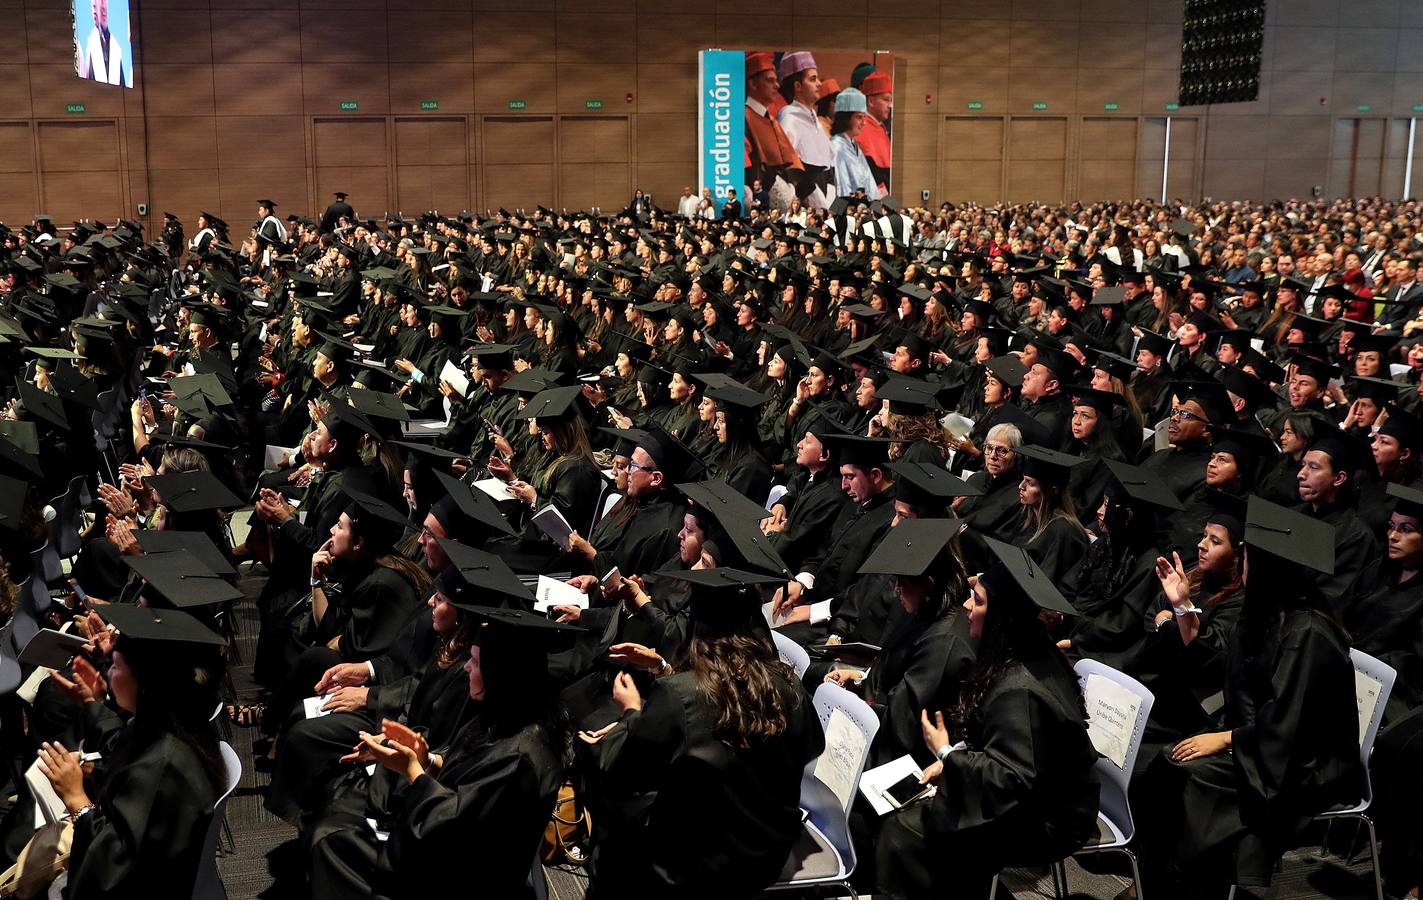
(565,840)
(40,862)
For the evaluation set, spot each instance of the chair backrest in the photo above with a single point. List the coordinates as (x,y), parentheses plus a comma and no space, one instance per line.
(777,492)
(208,885)
(47,564)
(68,521)
(35,591)
(1373,683)
(609,502)
(828,786)
(11,675)
(1117,709)
(792,654)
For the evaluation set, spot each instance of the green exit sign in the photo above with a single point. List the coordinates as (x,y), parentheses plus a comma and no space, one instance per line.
(1172,107)
(593,104)
(429,104)
(1040,105)
(1111,107)
(1363,107)
(1418,107)
(517,104)
(348,105)
(74,107)
(975,104)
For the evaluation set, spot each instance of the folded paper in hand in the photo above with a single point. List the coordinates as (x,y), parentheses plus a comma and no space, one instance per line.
(551,592)
(457,379)
(51,649)
(552,523)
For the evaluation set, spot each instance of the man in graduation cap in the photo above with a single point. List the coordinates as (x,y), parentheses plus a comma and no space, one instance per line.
(1198,407)
(336,212)
(269,226)
(1329,479)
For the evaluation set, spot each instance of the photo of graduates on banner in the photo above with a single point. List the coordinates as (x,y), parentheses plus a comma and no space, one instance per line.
(818,126)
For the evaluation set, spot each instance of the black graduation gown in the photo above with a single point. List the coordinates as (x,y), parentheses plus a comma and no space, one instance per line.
(1388,625)
(1182,675)
(1280,484)
(856,532)
(814,505)
(1022,793)
(1054,414)
(638,543)
(670,784)
(994,513)
(1059,549)
(918,667)
(1114,603)
(370,614)
(1356,559)
(1292,712)
(749,473)
(147,833)
(1182,468)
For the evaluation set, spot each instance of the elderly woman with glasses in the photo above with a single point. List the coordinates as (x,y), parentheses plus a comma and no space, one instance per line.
(996,512)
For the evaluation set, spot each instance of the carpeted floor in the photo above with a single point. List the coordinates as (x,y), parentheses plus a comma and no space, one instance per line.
(265,843)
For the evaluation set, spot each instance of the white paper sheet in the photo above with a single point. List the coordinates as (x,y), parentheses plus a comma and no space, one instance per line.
(874,782)
(551,592)
(272,456)
(1397,369)
(1111,717)
(552,523)
(312,706)
(495,488)
(48,806)
(838,766)
(1366,695)
(457,379)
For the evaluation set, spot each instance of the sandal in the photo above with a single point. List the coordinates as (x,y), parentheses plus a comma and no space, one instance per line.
(246,715)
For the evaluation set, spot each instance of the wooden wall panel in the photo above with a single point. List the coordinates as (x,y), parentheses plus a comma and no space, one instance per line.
(231,87)
(420,188)
(349,142)
(519,156)
(242,188)
(17,197)
(1106,165)
(589,139)
(1037,160)
(78,145)
(971,164)
(17,147)
(438,142)
(93,194)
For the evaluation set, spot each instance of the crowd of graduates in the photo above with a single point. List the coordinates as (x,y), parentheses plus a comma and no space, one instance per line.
(948,452)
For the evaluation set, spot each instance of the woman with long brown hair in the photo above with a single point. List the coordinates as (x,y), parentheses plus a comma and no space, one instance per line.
(710,758)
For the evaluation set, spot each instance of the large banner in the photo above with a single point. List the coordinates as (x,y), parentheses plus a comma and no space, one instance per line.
(783,125)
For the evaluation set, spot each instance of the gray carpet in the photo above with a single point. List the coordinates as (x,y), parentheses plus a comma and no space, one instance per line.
(262,838)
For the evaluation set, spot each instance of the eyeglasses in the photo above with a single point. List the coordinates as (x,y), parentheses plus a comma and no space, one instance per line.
(1185,415)
(992,450)
(632,466)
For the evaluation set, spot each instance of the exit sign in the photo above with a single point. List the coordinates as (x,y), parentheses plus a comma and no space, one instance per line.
(1040,105)
(1111,107)
(429,104)
(975,104)
(74,107)
(593,104)
(1363,107)
(1172,107)
(517,104)
(1418,107)
(348,105)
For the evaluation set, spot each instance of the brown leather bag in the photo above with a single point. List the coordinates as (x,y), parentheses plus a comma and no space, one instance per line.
(566,838)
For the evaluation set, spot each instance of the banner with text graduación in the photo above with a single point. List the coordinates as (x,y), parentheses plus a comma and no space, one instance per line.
(721,123)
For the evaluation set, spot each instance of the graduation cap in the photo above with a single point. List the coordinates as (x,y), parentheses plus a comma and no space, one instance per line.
(1292,536)
(1007,369)
(1239,338)
(378,405)
(738,397)
(169,626)
(43,406)
(497,357)
(723,597)
(185,492)
(464,505)
(855,450)
(1410,499)
(737,516)
(17,459)
(1013,574)
(1101,401)
(1379,390)
(1321,372)
(183,440)
(1403,426)
(1210,395)
(911,547)
(674,459)
(1157,344)
(928,486)
(1263,367)
(908,396)
(197,544)
(182,579)
(557,404)
(377,521)
(1348,453)
(486,573)
(345,422)
(1378,343)
(73,386)
(1248,447)
(1142,486)
(627,439)
(1047,466)
(206,385)
(1184,227)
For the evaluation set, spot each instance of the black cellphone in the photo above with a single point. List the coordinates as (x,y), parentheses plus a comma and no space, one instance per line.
(905,790)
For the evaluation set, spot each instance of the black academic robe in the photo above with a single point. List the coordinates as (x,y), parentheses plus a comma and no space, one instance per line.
(749,473)
(857,531)
(1291,710)
(814,504)
(1356,558)
(918,668)
(1183,468)
(1058,550)
(994,513)
(636,544)
(148,830)
(1388,625)
(370,614)
(1023,792)
(1054,414)
(1280,483)
(663,761)
(1182,675)
(1114,601)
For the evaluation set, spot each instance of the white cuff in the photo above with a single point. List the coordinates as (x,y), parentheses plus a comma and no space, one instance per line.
(807,580)
(370,667)
(820,612)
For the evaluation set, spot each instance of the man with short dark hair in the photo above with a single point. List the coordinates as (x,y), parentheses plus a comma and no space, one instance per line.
(1328,484)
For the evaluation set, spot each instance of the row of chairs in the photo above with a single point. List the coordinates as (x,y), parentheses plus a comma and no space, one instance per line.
(825,854)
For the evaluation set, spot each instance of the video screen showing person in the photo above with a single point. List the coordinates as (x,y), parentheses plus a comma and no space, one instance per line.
(103,44)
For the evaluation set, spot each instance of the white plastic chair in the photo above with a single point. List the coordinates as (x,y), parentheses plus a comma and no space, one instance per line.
(609,502)
(777,492)
(208,885)
(1115,825)
(792,654)
(824,853)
